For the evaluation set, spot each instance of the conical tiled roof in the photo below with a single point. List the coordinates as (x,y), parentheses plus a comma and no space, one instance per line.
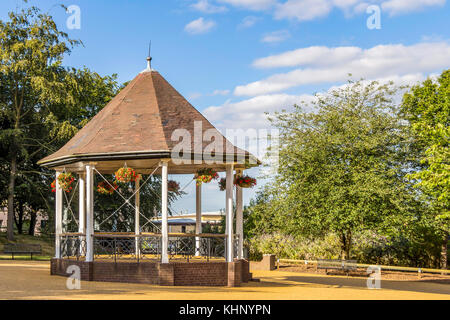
(139,120)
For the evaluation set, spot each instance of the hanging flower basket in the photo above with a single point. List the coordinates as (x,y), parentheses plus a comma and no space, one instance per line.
(245,182)
(107,188)
(53,185)
(65,181)
(125,175)
(205,176)
(173,186)
(223,184)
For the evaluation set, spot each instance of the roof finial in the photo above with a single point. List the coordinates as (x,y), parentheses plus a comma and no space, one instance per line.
(149,59)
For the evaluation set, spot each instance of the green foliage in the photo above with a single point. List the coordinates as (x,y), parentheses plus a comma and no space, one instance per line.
(341,167)
(42,105)
(290,247)
(357,180)
(427,108)
(369,247)
(403,249)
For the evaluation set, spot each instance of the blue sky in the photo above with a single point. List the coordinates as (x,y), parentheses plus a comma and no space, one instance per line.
(236,59)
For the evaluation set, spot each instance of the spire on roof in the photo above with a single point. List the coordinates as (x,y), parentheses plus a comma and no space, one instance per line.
(149,59)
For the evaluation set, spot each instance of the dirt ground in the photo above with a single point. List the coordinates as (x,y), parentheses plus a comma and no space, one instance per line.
(32,280)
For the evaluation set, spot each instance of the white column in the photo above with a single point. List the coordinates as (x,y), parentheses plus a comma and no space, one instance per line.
(198,217)
(229,212)
(58,217)
(164,224)
(239,220)
(89,213)
(137,225)
(82,209)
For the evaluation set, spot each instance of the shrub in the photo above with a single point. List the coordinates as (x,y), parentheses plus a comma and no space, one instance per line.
(289,247)
(368,247)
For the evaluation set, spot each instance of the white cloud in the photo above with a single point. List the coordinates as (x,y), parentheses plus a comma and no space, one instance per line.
(307,10)
(249,113)
(194,95)
(199,26)
(395,7)
(220,92)
(405,80)
(255,5)
(276,36)
(248,22)
(206,7)
(303,10)
(432,38)
(311,56)
(329,65)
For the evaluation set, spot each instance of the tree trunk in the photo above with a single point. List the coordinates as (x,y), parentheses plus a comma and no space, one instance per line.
(444,250)
(11,187)
(33,215)
(19,220)
(346,242)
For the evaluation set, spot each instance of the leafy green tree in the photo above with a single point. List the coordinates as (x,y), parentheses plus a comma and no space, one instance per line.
(342,166)
(427,109)
(42,103)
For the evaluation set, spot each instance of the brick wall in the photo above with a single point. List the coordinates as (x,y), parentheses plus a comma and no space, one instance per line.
(132,272)
(59,267)
(200,274)
(171,274)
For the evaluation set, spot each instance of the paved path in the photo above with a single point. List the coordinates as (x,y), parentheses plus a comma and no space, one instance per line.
(32,280)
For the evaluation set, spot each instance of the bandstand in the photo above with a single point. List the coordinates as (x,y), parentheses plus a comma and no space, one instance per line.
(143,128)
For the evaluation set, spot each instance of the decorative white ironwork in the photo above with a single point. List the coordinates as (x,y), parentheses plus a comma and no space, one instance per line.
(69,205)
(127,201)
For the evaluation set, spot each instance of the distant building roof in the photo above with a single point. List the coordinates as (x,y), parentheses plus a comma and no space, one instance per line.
(210,213)
(189,219)
(177,221)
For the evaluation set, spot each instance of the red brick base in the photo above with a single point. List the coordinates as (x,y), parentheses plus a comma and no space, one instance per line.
(164,274)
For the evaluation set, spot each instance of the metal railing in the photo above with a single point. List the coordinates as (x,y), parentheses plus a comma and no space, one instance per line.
(188,246)
(236,242)
(314,263)
(73,246)
(127,247)
(147,246)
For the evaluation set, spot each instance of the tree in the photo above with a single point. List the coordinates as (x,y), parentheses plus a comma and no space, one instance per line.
(342,166)
(42,103)
(113,215)
(427,109)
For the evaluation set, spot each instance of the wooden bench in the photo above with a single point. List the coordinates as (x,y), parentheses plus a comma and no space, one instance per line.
(337,264)
(22,248)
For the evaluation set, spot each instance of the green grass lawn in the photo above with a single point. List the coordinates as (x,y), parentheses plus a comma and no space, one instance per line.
(46,243)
